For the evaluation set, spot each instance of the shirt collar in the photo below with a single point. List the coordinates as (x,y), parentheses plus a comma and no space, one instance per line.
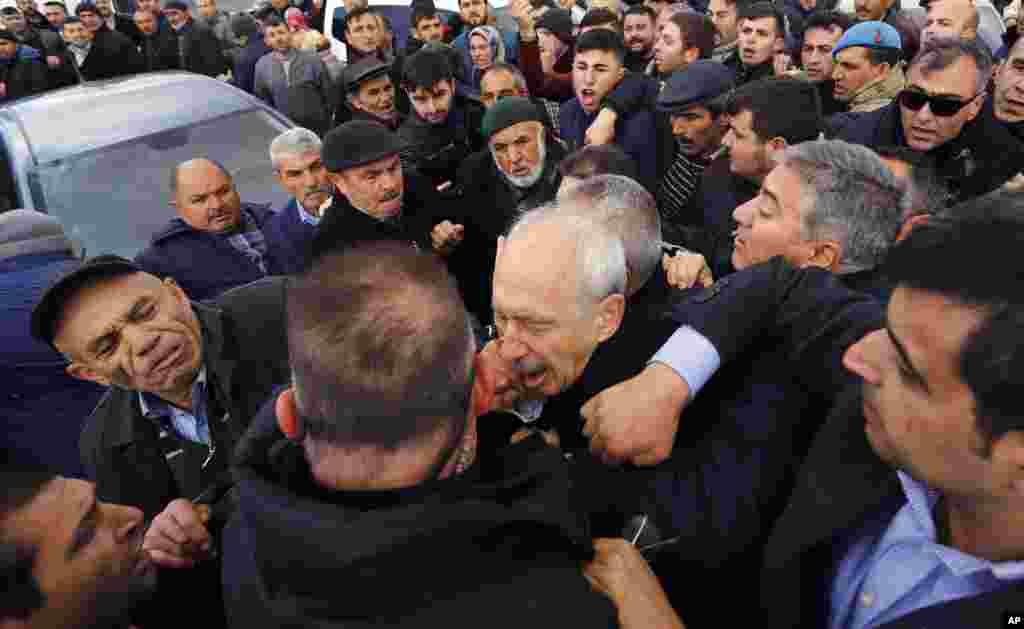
(306,217)
(153,405)
(921,501)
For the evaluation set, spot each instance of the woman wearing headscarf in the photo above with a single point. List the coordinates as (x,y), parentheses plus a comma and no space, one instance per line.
(485,49)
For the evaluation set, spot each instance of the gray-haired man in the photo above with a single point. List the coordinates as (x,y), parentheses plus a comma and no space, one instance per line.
(300,170)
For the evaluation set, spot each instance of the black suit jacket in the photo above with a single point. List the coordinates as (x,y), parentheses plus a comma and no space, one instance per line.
(112,55)
(159,51)
(203,51)
(125,25)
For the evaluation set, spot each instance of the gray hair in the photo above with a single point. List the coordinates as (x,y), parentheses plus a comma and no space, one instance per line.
(942,52)
(627,209)
(600,256)
(293,142)
(849,195)
(517,75)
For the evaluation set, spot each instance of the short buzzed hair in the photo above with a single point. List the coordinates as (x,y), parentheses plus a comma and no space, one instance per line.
(381,348)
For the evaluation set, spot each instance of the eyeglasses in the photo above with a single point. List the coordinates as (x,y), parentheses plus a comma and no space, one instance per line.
(942,106)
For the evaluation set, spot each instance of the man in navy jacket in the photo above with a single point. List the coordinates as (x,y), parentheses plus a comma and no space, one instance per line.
(598,69)
(300,169)
(217,242)
(912,466)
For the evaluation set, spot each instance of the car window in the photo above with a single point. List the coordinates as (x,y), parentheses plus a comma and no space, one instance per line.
(115,198)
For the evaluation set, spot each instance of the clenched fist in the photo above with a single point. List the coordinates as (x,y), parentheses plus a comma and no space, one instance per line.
(446,237)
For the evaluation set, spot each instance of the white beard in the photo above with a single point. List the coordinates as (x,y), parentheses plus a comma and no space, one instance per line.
(527,181)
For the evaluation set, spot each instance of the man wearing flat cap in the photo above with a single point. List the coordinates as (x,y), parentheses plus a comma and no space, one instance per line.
(183,382)
(22,70)
(370,94)
(518,171)
(694,99)
(374,198)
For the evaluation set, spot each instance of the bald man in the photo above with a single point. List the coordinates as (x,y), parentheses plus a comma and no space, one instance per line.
(216,242)
(950,18)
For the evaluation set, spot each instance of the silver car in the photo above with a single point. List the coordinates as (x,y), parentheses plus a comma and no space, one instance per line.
(98,156)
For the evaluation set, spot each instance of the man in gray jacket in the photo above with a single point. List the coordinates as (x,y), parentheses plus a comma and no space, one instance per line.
(294,81)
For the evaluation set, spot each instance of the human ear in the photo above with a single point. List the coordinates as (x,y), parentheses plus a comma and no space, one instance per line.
(609,316)
(288,415)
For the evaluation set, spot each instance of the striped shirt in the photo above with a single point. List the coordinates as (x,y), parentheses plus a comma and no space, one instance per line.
(677,187)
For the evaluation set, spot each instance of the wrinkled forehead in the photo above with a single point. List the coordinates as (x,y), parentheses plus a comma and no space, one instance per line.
(90,312)
(528,130)
(498,80)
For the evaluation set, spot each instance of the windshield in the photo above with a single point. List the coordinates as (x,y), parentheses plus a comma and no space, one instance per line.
(115,198)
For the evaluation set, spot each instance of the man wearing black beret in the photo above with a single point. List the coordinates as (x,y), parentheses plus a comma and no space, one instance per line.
(373,198)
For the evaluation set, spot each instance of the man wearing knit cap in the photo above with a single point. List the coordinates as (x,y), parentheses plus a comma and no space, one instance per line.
(22,71)
(43,415)
(373,198)
(546,45)
(866,72)
(198,48)
(517,172)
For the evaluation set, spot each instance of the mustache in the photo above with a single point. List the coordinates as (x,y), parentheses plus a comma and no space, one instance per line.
(325,188)
(391,196)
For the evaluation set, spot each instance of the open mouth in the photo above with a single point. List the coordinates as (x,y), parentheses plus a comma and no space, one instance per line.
(587,96)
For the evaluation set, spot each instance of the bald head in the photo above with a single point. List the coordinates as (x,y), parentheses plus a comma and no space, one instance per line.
(950,18)
(205,196)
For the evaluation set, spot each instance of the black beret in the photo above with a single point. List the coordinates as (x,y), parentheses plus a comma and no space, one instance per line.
(86,7)
(364,70)
(509,111)
(699,82)
(356,143)
(48,309)
(176,5)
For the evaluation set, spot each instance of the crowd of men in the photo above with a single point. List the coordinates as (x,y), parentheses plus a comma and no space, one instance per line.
(648,315)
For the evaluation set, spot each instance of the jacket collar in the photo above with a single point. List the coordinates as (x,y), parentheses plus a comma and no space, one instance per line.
(879,93)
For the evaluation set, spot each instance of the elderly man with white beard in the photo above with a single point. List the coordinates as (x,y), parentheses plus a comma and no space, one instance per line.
(518,171)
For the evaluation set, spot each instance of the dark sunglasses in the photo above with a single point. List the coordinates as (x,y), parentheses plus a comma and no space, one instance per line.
(942,106)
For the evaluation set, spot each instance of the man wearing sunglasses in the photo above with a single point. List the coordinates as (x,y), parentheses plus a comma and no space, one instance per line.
(942,113)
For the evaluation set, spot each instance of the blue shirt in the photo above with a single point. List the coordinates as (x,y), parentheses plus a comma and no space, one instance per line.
(888,574)
(193,426)
(305,216)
